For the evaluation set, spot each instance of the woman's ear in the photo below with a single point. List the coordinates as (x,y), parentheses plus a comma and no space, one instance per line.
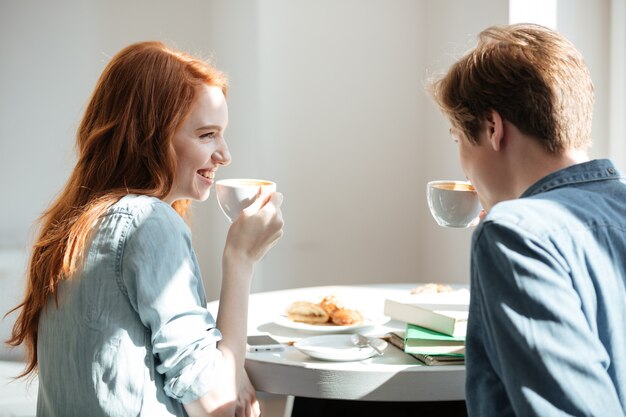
(495,130)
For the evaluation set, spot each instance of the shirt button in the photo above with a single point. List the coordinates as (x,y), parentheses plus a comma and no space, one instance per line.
(611,171)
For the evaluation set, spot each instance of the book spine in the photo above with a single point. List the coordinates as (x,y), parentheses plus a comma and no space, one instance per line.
(426,318)
(434,361)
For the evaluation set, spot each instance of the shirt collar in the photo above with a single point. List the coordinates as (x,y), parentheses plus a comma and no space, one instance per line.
(595,170)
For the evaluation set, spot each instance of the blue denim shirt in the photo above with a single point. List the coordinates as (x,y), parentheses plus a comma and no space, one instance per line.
(131,335)
(547,327)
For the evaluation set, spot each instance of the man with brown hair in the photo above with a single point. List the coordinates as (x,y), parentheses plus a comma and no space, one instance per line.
(547,325)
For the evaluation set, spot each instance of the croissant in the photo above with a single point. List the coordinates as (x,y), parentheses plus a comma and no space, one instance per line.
(330,304)
(346,317)
(305,312)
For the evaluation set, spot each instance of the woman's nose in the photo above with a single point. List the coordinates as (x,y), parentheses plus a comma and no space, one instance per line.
(222,156)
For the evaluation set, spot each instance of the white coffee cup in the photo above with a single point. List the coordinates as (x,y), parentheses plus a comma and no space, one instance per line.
(235,194)
(453,203)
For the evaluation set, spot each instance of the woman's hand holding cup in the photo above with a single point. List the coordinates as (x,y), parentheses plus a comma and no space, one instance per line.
(259,223)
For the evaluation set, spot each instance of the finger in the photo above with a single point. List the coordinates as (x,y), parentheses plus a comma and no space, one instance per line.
(258,202)
(277,199)
(255,408)
(272,208)
(273,199)
(262,198)
(242,408)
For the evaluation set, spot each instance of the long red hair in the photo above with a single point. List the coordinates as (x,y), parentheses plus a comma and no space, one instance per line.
(124,147)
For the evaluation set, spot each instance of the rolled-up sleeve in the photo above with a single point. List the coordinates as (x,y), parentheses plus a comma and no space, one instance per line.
(158,269)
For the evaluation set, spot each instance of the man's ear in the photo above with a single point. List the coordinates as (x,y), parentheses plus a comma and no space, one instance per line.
(495,130)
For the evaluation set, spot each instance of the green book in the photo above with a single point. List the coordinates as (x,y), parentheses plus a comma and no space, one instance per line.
(397,339)
(419,340)
(437,360)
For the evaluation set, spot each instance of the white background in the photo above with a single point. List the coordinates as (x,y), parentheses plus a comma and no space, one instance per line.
(326,98)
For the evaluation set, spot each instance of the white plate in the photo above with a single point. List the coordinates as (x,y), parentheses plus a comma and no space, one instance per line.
(333,347)
(283,321)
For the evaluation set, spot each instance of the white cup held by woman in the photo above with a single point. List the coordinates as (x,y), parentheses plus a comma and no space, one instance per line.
(235,194)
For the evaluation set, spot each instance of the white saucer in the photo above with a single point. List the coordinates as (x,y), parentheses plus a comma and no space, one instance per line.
(338,348)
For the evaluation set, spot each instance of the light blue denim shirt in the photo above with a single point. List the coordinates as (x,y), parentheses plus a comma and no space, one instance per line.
(131,335)
(547,325)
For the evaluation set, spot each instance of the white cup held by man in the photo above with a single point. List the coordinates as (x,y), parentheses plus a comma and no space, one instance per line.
(453,203)
(235,194)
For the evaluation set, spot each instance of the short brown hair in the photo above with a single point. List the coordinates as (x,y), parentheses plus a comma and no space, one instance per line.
(532,76)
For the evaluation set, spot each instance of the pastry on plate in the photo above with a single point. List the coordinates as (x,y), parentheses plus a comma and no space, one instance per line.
(306,312)
(346,317)
(330,304)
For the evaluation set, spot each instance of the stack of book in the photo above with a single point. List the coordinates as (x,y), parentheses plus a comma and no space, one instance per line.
(435,326)
(430,347)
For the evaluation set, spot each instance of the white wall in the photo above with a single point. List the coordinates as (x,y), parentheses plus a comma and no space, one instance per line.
(326,98)
(344,126)
(617,90)
(46,73)
(341,115)
(52,55)
(594,44)
(12,265)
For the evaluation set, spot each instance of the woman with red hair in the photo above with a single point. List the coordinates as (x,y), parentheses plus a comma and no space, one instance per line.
(114,318)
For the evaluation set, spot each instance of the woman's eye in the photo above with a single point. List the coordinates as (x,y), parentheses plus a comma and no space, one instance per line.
(208,135)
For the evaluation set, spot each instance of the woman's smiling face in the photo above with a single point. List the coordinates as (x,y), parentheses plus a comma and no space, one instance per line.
(200,146)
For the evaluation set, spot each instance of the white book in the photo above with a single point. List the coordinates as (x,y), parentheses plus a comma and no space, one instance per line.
(443,312)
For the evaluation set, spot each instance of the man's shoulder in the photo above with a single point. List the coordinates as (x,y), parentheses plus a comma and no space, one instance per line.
(540,217)
(524,211)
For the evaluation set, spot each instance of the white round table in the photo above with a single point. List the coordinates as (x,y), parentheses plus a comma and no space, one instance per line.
(394,376)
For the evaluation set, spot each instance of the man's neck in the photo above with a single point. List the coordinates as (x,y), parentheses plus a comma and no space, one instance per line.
(538,163)
(515,161)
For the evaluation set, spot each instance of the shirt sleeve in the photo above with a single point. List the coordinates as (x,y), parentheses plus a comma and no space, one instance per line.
(164,286)
(531,350)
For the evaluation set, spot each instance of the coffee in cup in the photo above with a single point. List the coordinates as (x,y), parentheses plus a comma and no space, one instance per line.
(235,194)
(453,203)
